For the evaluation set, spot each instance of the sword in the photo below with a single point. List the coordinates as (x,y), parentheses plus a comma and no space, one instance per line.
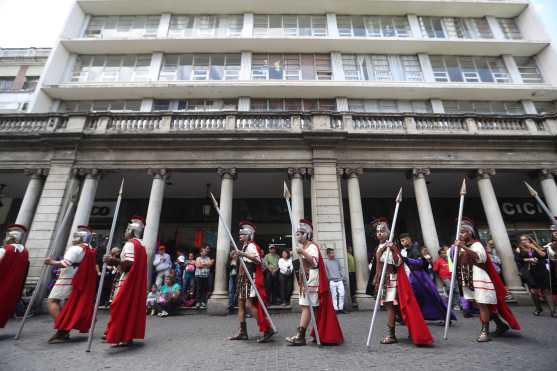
(287,197)
(103,272)
(454,260)
(384,270)
(243,264)
(46,269)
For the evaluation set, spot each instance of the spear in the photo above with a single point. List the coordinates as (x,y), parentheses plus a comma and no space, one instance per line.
(287,198)
(243,264)
(45,271)
(454,260)
(542,204)
(103,272)
(384,270)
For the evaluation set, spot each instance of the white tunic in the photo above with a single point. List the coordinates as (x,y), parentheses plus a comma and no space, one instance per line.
(63,285)
(127,254)
(251,250)
(311,293)
(390,292)
(484,291)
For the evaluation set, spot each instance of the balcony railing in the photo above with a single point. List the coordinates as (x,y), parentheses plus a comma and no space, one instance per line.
(276,122)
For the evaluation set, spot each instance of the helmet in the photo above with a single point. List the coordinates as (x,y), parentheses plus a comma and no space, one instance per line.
(306,228)
(136,226)
(83,234)
(15,233)
(247,229)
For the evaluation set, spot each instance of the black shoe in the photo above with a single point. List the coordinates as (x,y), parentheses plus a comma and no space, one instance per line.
(267,335)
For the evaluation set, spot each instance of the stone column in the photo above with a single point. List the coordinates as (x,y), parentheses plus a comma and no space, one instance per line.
(152,219)
(296,176)
(427,222)
(218,304)
(498,231)
(31,197)
(358,237)
(549,188)
(86,199)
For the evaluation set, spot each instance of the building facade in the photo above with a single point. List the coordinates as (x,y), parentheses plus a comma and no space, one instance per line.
(20,70)
(346,101)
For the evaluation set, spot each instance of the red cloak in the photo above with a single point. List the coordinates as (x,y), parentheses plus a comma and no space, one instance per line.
(328,326)
(410,310)
(260,285)
(77,312)
(13,270)
(127,311)
(502,308)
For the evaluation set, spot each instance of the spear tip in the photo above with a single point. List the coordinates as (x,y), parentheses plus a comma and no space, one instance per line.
(463,188)
(399,196)
(286,191)
(121,186)
(532,191)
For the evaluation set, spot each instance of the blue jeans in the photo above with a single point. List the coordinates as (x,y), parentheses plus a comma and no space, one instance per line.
(231,290)
(187,280)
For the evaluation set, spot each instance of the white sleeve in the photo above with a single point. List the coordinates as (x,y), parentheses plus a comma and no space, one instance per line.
(72,256)
(313,251)
(2,252)
(127,252)
(480,251)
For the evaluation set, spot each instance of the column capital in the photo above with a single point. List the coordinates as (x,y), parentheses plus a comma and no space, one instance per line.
(230,173)
(158,173)
(352,172)
(547,173)
(297,172)
(87,173)
(485,173)
(421,172)
(36,173)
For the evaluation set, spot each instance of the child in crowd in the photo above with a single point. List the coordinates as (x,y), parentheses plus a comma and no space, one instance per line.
(189,274)
(179,267)
(152,301)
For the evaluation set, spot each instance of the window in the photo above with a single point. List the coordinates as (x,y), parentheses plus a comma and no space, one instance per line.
(291,67)
(196,105)
(103,27)
(389,106)
(290,25)
(101,106)
(206,26)
(111,68)
(510,29)
(528,70)
(30,82)
(492,107)
(184,67)
(376,67)
(6,83)
(373,26)
(455,28)
(546,107)
(469,69)
(292,104)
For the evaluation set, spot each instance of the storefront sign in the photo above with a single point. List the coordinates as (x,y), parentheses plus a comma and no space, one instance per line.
(103,209)
(520,208)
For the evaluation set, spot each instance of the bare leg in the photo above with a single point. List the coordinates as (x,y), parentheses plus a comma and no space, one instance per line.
(390,338)
(243,334)
(53,307)
(305,318)
(485,316)
(242,310)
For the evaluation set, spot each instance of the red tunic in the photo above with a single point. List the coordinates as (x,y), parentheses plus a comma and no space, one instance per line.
(77,312)
(127,311)
(328,326)
(13,270)
(260,285)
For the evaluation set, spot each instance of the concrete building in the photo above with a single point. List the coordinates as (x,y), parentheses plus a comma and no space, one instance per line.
(20,70)
(346,101)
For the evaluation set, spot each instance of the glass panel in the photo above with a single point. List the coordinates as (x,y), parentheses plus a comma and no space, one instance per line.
(275,67)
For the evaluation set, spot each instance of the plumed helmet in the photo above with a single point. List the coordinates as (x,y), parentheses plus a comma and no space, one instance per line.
(16,233)
(247,229)
(305,227)
(136,226)
(83,234)
(468,225)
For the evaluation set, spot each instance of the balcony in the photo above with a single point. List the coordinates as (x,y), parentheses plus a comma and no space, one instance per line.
(471,8)
(288,123)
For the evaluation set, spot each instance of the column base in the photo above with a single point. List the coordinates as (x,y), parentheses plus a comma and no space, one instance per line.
(295,302)
(364,301)
(218,304)
(520,295)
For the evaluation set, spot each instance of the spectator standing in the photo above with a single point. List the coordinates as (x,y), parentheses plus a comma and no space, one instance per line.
(336,284)
(203,265)
(169,296)
(232,274)
(272,274)
(179,266)
(162,264)
(351,270)
(441,268)
(285,276)
(189,274)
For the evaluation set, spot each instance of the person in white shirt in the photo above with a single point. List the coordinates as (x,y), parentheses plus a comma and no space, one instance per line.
(162,264)
(285,276)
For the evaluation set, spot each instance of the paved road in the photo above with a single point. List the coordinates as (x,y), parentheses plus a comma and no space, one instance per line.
(197,341)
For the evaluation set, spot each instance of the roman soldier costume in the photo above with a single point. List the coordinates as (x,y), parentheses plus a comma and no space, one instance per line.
(127,310)
(316,293)
(14,264)
(77,312)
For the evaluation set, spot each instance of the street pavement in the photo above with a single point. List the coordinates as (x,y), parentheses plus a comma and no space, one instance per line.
(196,341)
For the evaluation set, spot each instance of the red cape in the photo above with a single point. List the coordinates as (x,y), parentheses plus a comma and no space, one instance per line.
(502,308)
(13,270)
(410,310)
(260,284)
(77,312)
(127,311)
(328,326)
